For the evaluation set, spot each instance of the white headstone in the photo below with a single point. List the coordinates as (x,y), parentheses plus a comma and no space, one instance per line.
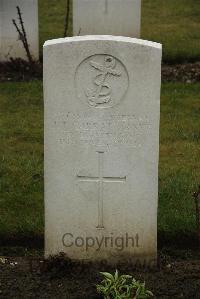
(10,45)
(110,17)
(102,98)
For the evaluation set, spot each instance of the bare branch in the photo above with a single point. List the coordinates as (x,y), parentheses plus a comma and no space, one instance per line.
(22,34)
(196,196)
(66,27)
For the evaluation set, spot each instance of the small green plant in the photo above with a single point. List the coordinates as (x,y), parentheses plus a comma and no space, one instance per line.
(122,287)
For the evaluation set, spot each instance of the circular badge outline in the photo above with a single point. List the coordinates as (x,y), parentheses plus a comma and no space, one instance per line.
(86,102)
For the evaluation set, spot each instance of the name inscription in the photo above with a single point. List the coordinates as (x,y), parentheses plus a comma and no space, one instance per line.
(113,130)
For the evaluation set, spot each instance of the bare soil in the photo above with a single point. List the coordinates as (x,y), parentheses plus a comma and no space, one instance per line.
(177,276)
(186,73)
(20,70)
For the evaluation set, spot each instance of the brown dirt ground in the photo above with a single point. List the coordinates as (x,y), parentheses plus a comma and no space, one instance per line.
(177,276)
(19,70)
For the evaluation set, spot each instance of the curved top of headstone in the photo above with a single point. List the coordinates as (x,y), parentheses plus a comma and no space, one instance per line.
(87,38)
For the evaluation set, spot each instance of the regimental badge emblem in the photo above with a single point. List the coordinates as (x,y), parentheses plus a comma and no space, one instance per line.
(101,93)
(101,81)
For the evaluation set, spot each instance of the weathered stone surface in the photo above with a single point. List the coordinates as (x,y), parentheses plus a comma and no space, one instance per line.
(102,98)
(114,17)
(10,45)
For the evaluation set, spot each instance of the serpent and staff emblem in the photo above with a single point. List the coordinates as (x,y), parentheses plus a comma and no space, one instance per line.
(102,92)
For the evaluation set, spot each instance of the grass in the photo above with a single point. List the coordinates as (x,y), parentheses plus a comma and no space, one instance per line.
(179,171)
(21,159)
(174,23)
(51,19)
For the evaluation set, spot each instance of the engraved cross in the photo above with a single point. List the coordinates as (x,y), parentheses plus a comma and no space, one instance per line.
(101,179)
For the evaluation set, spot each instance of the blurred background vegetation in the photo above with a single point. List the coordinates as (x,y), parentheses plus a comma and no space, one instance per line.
(174,23)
